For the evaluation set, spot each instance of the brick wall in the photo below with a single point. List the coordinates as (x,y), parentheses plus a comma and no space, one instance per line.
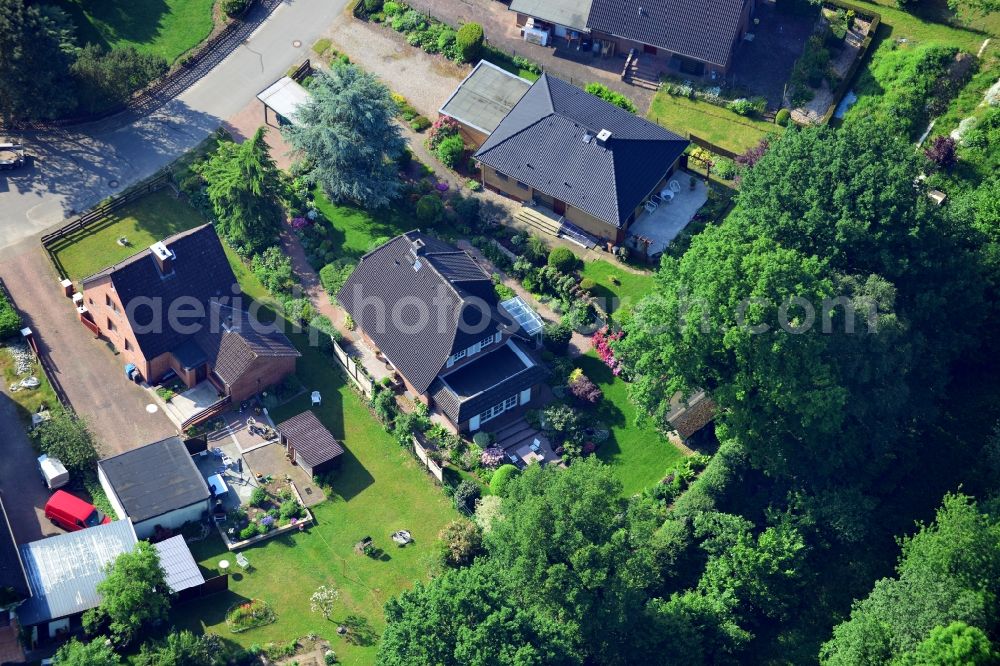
(269,371)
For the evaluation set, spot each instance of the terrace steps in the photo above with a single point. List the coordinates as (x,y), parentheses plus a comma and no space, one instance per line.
(516,434)
(643,75)
(539,219)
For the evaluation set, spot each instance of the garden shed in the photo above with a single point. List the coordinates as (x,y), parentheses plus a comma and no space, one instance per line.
(309,444)
(156,485)
(482,100)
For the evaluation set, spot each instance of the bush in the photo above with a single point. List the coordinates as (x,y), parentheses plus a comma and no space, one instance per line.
(10,320)
(741,106)
(258,497)
(469,42)
(430,209)
(467,210)
(502,478)
(334,275)
(725,168)
(611,96)
(482,439)
(274,269)
(234,8)
(390,8)
(585,391)
(462,542)
(105,79)
(942,152)
(474,185)
(783,117)
(420,123)
(299,311)
(450,151)
(466,494)
(290,509)
(248,532)
(557,337)
(563,259)
(372,6)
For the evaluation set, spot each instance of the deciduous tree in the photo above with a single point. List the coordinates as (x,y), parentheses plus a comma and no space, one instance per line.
(134,594)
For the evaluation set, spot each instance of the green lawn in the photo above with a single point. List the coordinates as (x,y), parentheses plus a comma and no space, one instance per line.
(926,22)
(710,122)
(143,222)
(630,288)
(167,28)
(380,488)
(639,455)
(353,230)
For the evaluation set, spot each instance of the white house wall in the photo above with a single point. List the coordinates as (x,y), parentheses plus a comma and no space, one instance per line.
(112,497)
(173,520)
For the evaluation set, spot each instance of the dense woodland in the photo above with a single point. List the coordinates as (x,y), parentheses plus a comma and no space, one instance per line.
(845,326)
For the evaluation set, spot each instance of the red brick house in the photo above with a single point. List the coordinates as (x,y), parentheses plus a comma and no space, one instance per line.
(177,307)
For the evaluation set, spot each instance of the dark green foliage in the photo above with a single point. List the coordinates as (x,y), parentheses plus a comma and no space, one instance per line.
(467,209)
(430,209)
(502,477)
(244,186)
(783,117)
(290,509)
(347,132)
(95,653)
(65,436)
(811,68)
(958,644)
(420,123)
(466,494)
(299,311)
(10,320)
(36,47)
(258,497)
(384,404)
(949,572)
(372,6)
(557,337)
(134,595)
(611,96)
(182,648)
(105,79)
(450,151)
(274,269)
(563,260)
(234,8)
(469,42)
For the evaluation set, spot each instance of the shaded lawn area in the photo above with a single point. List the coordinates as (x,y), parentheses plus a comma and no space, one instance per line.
(722,127)
(630,289)
(354,230)
(926,21)
(166,28)
(504,61)
(143,222)
(379,489)
(639,455)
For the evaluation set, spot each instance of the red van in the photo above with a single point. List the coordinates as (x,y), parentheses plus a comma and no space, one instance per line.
(72,513)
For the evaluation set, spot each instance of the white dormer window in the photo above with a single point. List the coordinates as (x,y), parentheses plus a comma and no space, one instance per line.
(456,357)
(488,341)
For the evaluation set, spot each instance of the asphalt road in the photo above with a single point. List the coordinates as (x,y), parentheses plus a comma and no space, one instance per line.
(75,168)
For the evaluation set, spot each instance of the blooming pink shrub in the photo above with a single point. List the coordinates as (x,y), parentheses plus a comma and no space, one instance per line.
(492,457)
(602,344)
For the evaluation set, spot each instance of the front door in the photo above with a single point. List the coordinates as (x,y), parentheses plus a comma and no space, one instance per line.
(651,50)
(559,207)
(201,374)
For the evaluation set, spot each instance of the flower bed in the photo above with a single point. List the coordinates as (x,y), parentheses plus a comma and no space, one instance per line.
(272,511)
(249,615)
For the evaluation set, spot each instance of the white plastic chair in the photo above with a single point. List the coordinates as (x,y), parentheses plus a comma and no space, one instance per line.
(317,399)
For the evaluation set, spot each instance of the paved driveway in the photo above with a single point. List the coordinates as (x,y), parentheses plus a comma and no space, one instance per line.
(90,373)
(24,495)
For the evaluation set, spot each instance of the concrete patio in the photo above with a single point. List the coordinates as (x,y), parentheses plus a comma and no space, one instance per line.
(270,460)
(664,224)
(184,405)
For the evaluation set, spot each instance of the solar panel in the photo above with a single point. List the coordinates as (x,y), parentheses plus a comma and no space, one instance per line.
(526,318)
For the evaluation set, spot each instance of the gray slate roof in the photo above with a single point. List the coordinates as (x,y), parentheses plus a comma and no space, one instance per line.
(568,13)
(701,29)
(200,271)
(64,570)
(484,382)
(13,579)
(233,350)
(155,479)
(445,282)
(310,438)
(179,567)
(486,95)
(541,143)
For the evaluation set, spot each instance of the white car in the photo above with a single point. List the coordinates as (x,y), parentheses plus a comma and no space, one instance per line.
(11,154)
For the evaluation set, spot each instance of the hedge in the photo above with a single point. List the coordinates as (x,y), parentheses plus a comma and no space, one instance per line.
(469,41)
(10,320)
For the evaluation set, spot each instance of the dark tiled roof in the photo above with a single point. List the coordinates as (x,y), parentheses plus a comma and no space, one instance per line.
(13,581)
(693,415)
(240,341)
(701,29)
(200,271)
(483,382)
(310,439)
(155,479)
(541,143)
(445,281)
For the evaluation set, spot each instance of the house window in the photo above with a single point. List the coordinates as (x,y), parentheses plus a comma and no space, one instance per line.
(487,342)
(111,324)
(501,176)
(128,346)
(110,303)
(522,185)
(456,357)
(498,409)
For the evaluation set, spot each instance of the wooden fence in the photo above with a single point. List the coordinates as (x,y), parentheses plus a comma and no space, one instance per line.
(436,470)
(99,214)
(208,413)
(353,370)
(848,80)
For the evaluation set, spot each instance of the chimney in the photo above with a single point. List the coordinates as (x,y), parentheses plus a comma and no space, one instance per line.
(164,257)
(416,249)
(603,136)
